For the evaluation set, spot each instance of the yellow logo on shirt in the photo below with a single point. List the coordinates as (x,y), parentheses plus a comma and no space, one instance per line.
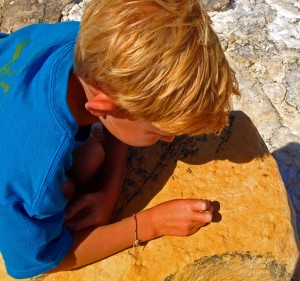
(6,71)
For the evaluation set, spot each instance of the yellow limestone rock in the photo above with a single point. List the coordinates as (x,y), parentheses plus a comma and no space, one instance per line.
(253,237)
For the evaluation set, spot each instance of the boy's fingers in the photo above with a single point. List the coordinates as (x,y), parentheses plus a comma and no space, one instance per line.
(74,208)
(210,209)
(205,216)
(200,205)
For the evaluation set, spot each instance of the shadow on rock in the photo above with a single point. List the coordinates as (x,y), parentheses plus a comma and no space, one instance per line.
(286,158)
(149,168)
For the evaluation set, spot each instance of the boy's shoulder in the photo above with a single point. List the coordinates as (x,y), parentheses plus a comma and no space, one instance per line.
(38,126)
(38,36)
(49,30)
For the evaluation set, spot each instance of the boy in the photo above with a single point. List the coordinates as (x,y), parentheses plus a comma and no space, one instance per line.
(149,70)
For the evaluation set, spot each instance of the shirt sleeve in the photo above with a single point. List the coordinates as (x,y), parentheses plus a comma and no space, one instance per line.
(31,245)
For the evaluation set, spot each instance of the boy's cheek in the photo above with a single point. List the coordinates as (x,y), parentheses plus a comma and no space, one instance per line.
(141,142)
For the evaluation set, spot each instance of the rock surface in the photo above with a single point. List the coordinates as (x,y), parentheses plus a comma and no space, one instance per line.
(262,43)
(252,238)
(15,14)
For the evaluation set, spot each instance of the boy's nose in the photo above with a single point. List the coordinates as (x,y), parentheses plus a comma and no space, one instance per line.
(168,138)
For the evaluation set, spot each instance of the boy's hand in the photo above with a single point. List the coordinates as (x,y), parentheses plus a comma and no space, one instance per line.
(179,217)
(92,209)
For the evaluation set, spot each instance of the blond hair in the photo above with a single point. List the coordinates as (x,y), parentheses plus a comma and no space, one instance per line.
(161,61)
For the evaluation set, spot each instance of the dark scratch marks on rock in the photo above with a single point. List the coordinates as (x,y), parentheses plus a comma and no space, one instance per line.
(225,135)
(189,170)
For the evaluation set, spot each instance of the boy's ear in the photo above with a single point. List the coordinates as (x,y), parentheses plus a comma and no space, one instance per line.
(101,105)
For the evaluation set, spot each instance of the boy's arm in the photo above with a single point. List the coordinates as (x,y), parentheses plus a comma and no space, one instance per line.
(114,167)
(175,218)
(101,204)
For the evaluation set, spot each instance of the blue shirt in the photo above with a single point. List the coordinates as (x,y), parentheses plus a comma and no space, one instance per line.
(37,137)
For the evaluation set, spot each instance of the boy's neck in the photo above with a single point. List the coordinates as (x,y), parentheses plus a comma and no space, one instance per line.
(76,100)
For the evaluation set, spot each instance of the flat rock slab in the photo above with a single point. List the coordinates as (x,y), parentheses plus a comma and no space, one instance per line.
(252,237)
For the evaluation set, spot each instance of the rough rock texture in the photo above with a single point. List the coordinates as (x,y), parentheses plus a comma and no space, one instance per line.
(216,5)
(74,11)
(14,14)
(262,43)
(264,48)
(252,238)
